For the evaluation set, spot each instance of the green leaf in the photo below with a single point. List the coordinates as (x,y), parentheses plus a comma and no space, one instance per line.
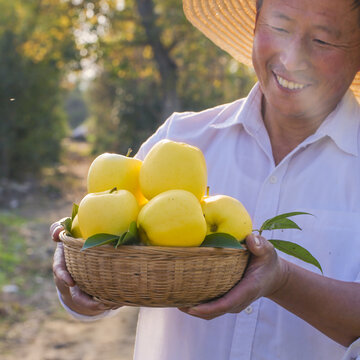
(129,237)
(221,240)
(75,209)
(66,223)
(295,250)
(99,239)
(133,230)
(120,239)
(132,236)
(283,224)
(281,221)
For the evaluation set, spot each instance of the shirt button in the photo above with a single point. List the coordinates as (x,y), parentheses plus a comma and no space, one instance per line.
(273,179)
(249,309)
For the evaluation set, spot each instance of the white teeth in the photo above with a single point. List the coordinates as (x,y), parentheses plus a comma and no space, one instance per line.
(288,84)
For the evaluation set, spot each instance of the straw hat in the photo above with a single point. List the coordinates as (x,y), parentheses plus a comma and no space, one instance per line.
(230,25)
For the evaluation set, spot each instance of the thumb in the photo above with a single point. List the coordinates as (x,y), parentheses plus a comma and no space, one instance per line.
(258,245)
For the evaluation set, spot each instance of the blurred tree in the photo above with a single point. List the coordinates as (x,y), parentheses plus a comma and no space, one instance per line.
(154,62)
(36,47)
(148,61)
(76,108)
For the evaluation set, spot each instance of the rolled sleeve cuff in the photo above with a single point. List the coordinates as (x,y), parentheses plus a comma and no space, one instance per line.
(353,351)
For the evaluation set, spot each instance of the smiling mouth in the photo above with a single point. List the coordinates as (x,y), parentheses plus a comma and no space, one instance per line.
(290,85)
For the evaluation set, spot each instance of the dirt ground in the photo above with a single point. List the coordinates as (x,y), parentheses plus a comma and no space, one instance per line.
(33,326)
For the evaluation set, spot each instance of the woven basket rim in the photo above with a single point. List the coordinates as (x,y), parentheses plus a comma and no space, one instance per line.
(77,242)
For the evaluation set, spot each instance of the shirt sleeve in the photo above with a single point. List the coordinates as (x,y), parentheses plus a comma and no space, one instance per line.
(353,351)
(86,318)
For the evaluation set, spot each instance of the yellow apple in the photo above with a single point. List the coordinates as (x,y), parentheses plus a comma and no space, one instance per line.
(75,229)
(109,212)
(225,214)
(173,165)
(113,170)
(172,218)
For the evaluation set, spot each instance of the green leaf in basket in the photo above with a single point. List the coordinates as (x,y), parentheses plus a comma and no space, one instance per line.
(221,240)
(99,239)
(295,250)
(129,237)
(281,222)
(75,209)
(66,223)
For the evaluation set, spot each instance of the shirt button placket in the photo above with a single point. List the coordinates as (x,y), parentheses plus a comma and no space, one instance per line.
(266,207)
(268,200)
(243,332)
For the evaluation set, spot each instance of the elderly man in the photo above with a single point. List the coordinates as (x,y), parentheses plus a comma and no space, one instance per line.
(292,145)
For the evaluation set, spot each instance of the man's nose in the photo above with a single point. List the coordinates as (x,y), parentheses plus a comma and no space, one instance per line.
(295,55)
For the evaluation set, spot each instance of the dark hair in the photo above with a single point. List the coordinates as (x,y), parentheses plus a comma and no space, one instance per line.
(355,5)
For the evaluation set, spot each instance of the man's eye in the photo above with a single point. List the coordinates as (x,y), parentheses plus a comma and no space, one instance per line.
(279,29)
(321,42)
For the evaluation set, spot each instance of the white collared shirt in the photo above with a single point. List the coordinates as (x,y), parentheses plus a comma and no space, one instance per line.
(320,176)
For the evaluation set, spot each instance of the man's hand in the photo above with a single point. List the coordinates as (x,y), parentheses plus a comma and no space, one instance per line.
(55,229)
(265,274)
(71,295)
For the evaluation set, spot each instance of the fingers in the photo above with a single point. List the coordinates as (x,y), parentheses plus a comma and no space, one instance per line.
(55,230)
(71,294)
(236,300)
(85,301)
(248,289)
(258,245)
(206,311)
(59,267)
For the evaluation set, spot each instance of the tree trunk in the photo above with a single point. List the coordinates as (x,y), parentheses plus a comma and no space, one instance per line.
(166,66)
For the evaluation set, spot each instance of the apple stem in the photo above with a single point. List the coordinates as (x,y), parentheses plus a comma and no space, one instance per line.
(207,190)
(113,189)
(129,152)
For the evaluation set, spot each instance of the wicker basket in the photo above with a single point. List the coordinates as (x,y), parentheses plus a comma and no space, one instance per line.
(153,276)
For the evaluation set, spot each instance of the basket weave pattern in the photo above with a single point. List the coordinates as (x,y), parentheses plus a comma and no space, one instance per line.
(153,276)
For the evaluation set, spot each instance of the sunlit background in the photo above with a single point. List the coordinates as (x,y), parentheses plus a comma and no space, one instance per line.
(79,78)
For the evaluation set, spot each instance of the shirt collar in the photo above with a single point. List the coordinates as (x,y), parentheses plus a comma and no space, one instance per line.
(342,125)
(248,113)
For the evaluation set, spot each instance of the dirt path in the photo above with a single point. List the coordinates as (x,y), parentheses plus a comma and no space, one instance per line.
(35,327)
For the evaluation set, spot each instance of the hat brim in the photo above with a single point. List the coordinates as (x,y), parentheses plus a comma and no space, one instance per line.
(230,24)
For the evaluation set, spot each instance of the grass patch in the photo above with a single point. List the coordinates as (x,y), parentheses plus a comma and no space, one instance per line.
(12,248)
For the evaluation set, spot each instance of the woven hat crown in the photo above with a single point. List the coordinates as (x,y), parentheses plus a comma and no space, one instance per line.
(230,24)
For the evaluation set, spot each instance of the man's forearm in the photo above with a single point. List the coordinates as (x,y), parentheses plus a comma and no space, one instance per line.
(331,306)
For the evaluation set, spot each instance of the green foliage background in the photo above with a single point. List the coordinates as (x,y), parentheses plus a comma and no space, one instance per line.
(148,61)
(36,46)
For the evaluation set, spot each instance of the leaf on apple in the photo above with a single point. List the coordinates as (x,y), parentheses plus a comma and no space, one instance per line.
(129,237)
(295,250)
(99,239)
(75,210)
(66,223)
(221,240)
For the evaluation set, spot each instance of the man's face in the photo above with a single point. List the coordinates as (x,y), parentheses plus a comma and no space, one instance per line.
(306,54)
